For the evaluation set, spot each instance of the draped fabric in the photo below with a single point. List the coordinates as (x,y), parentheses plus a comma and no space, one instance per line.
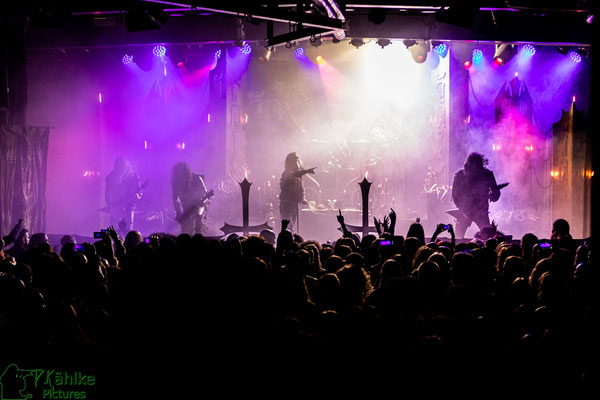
(550,79)
(23,158)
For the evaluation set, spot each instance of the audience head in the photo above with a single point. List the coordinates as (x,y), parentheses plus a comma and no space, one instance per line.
(67,239)
(132,240)
(269,236)
(390,269)
(416,231)
(37,239)
(22,239)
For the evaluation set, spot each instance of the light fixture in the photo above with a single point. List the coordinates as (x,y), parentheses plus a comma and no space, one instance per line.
(528,50)
(264,53)
(315,41)
(418,50)
(357,42)
(299,53)
(246,48)
(440,48)
(127,59)
(159,51)
(504,53)
(575,56)
(383,42)
(339,34)
(477,56)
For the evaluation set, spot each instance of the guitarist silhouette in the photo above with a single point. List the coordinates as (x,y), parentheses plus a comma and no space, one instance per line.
(123,190)
(473,188)
(190,198)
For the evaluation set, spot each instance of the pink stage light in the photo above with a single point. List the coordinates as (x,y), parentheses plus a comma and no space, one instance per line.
(468,64)
(496,147)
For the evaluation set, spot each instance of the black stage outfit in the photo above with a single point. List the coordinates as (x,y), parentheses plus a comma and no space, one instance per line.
(122,193)
(190,204)
(292,193)
(471,192)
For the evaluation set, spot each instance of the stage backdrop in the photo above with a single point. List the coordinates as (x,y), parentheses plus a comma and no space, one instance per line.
(23,156)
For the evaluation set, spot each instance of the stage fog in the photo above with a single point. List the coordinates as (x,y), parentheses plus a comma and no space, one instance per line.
(373,112)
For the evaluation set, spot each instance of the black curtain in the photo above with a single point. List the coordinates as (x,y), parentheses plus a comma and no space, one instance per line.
(23,158)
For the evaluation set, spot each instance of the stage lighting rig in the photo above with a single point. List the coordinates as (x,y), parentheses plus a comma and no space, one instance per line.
(418,49)
(383,42)
(504,53)
(440,48)
(357,42)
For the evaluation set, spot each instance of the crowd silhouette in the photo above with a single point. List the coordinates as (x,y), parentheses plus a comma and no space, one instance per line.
(386,310)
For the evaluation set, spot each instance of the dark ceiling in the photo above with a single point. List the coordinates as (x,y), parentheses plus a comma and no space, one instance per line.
(55,23)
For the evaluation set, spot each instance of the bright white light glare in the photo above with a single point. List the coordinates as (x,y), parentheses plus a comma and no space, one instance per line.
(379,77)
(208,118)
(145,145)
(99,97)
(165,70)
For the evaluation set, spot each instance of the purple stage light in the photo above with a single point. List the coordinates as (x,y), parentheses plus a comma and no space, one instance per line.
(298,53)
(441,49)
(127,59)
(246,49)
(477,56)
(528,50)
(159,51)
(218,54)
(575,56)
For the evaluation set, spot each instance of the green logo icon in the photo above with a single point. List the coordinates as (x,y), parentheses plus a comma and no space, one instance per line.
(13,385)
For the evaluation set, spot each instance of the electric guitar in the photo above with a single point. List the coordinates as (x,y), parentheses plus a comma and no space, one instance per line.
(134,195)
(457,213)
(193,210)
